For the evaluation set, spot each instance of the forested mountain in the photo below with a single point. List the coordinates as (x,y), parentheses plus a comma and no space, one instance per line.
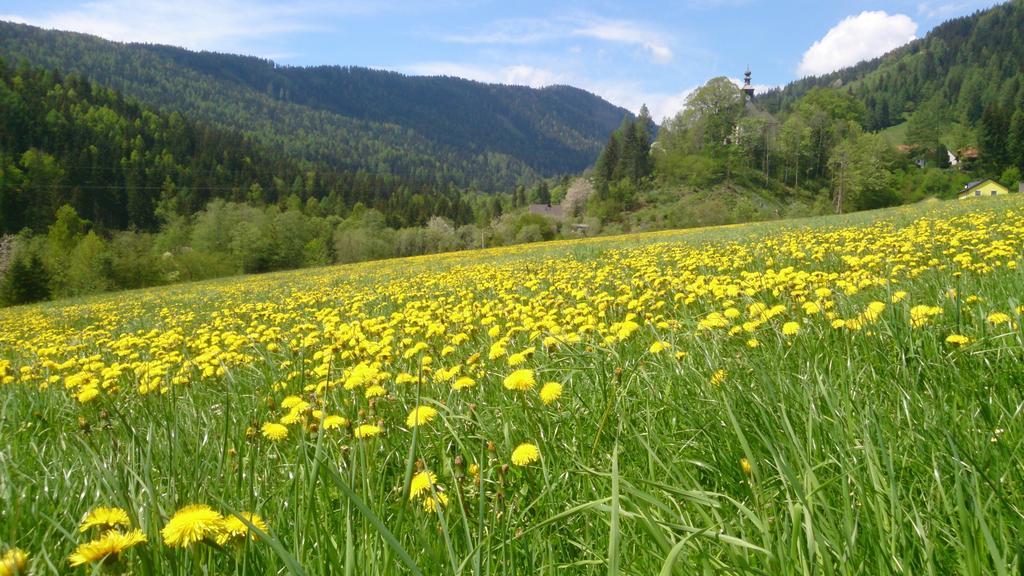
(122,165)
(955,71)
(439,129)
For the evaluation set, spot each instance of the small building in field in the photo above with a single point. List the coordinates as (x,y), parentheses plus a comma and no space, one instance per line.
(980,188)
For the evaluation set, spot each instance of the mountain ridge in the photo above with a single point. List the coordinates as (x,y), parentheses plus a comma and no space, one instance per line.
(472,134)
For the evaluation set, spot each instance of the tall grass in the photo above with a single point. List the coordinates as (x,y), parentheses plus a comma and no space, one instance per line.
(882,450)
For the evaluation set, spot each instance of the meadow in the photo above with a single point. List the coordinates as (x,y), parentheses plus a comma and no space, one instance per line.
(837,395)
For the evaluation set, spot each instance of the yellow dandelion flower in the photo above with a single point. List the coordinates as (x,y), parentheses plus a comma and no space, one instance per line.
(106,548)
(496,351)
(420,415)
(753,343)
(106,518)
(405,378)
(87,394)
(13,562)
(516,359)
(659,346)
(333,422)
(463,383)
(790,328)
(550,392)
(291,418)
(874,310)
(273,431)
(997,318)
(921,314)
(291,401)
(520,380)
(718,377)
(957,340)
(234,529)
(525,454)
(433,502)
(745,466)
(367,431)
(192,524)
(375,391)
(421,483)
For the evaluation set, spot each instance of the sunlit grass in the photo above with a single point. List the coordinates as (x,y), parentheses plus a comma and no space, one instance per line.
(740,400)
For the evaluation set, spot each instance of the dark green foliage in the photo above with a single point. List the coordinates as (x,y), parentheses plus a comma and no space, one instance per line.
(992,136)
(121,165)
(441,130)
(1015,140)
(26,279)
(623,168)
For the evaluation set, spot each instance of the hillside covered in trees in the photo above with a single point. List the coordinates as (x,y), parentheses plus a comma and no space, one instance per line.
(876,134)
(963,83)
(100,192)
(437,129)
(122,165)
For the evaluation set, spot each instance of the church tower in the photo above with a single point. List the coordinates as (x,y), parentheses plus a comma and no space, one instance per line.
(748,90)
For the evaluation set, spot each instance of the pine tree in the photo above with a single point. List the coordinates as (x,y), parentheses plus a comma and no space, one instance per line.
(25,281)
(1015,144)
(992,136)
(543,193)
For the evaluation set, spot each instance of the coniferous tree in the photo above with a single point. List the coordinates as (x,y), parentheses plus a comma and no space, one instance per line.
(1015,140)
(993,136)
(26,280)
(543,193)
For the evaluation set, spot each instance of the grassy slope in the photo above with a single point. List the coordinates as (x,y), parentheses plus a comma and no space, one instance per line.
(873,450)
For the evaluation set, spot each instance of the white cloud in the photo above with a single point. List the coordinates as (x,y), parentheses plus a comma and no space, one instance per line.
(627,33)
(536,31)
(857,38)
(943,10)
(195,24)
(629,95)
(518,74)
(511,31)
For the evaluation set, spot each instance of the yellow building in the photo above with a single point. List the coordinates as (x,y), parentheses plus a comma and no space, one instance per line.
(981,188)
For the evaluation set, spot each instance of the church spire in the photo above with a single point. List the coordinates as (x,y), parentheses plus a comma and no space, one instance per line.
(748,89)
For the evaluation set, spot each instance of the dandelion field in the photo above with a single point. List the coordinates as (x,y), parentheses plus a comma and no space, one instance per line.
(831,396)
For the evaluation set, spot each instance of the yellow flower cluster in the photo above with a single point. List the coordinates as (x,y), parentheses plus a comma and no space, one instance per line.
(369,351)
(198,522)
(108,547)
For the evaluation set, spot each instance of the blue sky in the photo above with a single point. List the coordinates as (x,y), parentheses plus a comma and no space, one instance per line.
(652,51)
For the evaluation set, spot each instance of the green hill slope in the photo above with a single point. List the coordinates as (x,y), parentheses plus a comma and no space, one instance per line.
(443,129)
(123,165)
(963,65)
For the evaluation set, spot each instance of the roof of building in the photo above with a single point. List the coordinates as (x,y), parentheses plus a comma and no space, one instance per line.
(552,210)
(977,183)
